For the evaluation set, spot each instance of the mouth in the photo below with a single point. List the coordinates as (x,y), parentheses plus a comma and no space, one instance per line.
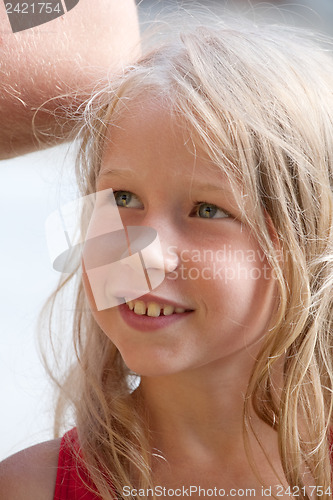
(150,313)
(154,309)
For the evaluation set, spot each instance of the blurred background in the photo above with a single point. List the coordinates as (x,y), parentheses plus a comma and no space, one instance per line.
(31,187)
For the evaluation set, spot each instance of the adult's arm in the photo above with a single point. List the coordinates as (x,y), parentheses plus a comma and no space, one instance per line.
(65,56)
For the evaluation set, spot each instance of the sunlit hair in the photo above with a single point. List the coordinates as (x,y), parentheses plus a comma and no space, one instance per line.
(259,101)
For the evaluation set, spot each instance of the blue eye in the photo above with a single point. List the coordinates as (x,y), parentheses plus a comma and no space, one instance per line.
(209,211)
(127,199)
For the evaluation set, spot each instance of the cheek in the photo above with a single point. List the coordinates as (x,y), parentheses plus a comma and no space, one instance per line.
(234,287)
(241,284)
(101,317)
(251,294)
(88,291)
(106,318)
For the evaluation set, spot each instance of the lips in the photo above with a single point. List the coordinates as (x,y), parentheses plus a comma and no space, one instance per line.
(154,306)
(153,309)
(151,312)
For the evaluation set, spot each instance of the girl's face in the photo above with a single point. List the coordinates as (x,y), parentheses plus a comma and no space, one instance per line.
(215,268)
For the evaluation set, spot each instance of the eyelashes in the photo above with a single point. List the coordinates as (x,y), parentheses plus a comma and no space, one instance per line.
(202,209)
(126,199)
(209,211)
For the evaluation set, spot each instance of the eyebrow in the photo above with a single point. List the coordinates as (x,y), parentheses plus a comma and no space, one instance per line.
(212,187)
(127,171)
(116,171)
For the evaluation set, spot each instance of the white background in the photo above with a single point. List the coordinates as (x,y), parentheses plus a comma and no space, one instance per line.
(29,191)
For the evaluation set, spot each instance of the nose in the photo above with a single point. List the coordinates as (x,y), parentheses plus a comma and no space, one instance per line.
(161,255)
(160,258)
(165,254)
(157,258)
(171,257)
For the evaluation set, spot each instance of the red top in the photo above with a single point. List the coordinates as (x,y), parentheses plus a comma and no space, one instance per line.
(72,478)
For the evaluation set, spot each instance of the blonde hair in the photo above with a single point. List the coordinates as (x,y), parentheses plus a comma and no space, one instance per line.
(259,101)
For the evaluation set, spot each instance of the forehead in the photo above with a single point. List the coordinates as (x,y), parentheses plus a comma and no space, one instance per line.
(145,121)
(149,132)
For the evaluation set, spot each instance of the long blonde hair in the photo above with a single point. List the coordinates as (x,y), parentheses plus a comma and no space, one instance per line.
(259,100)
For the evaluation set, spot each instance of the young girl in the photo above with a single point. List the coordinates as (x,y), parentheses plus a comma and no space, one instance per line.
(221,140)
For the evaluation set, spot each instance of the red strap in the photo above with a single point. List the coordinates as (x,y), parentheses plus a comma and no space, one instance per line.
(72,478)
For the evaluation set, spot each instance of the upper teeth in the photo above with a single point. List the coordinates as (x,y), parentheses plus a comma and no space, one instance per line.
(153,309)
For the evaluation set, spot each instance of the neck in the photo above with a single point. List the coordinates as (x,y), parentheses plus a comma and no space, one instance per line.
(201,409)
(196,424)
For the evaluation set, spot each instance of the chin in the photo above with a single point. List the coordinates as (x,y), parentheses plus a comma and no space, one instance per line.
(148,367)
(150,371)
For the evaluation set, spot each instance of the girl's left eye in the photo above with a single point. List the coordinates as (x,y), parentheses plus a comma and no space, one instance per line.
(209,211)
(127,199)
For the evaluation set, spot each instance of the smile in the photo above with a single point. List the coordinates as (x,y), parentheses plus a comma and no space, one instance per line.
(153,309)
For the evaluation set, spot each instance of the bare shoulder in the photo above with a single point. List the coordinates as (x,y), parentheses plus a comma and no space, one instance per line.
(31,473)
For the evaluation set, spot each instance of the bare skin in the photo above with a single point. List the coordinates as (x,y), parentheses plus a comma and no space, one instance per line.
(200,435)
(65,56)
(31,473)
